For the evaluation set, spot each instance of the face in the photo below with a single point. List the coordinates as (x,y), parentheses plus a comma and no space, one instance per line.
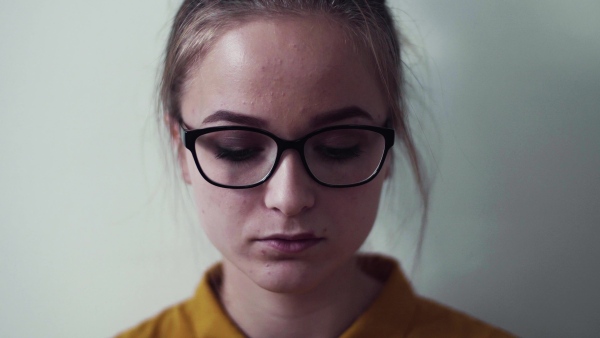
(286,76)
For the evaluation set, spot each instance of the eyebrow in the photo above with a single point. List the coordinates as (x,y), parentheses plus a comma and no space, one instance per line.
(337,115)
(325,118)
(228,116)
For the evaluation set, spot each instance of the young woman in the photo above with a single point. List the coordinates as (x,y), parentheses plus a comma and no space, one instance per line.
(283,114)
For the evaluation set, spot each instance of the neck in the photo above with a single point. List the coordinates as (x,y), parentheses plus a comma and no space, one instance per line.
(324,311)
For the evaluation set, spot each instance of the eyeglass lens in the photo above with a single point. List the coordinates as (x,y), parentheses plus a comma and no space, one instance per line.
(334,157)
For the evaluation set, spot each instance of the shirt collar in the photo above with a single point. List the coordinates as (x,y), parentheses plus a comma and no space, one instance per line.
(388,315)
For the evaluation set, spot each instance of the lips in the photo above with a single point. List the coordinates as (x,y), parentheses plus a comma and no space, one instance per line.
(291,244)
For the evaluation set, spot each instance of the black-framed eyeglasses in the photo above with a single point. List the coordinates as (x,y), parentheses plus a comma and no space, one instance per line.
(239,157)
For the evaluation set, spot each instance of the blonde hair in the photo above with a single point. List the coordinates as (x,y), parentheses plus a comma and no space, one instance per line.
(198,23)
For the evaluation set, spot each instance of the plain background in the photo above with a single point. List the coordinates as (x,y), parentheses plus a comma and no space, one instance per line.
(89,240)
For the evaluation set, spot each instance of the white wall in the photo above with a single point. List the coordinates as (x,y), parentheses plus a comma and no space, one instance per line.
(88,241)
(515,219)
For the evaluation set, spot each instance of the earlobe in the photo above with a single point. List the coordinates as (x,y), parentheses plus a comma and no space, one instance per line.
(387,168)
(181,158)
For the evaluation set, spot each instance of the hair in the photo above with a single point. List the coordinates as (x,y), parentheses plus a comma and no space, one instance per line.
(199,23)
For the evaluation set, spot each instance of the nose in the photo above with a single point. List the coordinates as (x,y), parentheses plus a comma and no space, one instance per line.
(290,190)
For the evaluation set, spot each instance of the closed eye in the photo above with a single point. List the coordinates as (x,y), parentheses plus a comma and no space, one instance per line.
(237,155)
(338,154)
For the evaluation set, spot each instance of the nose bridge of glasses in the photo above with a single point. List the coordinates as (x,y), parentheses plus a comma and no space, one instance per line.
(283,145)
(297,145)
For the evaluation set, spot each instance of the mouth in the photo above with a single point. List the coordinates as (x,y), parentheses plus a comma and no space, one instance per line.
(291,244)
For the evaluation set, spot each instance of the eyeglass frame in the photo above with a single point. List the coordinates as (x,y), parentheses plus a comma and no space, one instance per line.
(189,136)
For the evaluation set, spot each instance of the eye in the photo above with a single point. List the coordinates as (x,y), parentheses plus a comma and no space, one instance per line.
(237,154)
(337,153)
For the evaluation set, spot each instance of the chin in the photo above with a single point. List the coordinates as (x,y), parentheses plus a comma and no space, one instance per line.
(287,277)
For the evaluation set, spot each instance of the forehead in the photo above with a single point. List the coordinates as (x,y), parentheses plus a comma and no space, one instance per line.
(285,71)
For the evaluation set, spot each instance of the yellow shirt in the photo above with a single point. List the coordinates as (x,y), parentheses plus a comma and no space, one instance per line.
(396,312)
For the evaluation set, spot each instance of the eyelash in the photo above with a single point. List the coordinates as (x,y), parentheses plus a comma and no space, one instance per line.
(339,154)
(235,155)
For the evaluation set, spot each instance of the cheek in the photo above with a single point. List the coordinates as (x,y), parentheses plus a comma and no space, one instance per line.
(222,215)
(220,211)
(356,210)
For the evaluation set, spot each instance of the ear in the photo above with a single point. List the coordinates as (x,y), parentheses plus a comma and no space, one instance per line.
(179,149)
(388,165)
(183,164)
(387,171)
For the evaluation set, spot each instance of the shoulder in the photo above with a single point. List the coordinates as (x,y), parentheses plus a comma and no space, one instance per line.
(400,312)
(199,316)
(172,322)
(432,319)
